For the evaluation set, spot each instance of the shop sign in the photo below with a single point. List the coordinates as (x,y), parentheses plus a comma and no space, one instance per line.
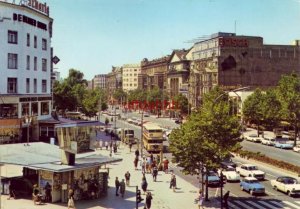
(36,5)
(233,42)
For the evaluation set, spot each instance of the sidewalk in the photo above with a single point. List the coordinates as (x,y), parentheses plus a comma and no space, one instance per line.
(163,197)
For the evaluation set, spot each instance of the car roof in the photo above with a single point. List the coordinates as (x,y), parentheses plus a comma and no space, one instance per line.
(250,178)
(286,177)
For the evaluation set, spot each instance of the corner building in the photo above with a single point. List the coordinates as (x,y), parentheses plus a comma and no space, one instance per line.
(232,61)
(26,67)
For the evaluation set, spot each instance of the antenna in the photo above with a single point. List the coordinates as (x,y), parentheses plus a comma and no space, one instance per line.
(235,27)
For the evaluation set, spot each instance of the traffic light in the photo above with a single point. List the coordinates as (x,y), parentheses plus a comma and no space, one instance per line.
(138,196)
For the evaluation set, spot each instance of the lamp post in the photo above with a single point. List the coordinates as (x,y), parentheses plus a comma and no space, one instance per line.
(212,110)
(28,120)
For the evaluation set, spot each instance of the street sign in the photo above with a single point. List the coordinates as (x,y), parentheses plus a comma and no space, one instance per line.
(55,59)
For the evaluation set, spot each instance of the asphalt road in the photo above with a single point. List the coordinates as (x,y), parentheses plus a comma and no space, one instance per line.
(234,188)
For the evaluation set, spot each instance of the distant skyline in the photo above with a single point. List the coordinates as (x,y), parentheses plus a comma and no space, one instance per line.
(94,35)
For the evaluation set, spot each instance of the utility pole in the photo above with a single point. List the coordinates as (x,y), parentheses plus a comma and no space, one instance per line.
(142,129)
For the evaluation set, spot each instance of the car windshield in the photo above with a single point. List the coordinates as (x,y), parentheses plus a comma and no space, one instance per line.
(252,168)
(290,181)
(212,174)
(253,181)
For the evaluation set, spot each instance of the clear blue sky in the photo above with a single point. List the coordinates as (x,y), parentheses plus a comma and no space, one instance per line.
(93,35)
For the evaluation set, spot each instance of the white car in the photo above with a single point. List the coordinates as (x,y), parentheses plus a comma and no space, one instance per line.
(268,140)
(286,184)
(230,174)
(297,148)
(253,138)
(250,170)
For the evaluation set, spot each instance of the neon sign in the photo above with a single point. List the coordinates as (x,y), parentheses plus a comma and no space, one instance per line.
(36,5)
(233,42)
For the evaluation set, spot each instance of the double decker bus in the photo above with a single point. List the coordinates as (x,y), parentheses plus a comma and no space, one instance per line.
(153,137)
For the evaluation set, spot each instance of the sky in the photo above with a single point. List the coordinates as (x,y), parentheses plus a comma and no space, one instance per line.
(94,35)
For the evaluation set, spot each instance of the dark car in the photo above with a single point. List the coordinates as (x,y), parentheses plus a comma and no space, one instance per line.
(228,162)
(178,121)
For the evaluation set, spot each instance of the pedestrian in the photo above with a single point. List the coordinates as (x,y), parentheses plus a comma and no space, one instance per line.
(36,195)
(225,198)
(11,191)
(47,189)
(166,165)
(127,178)
(173,183)
(143,165)
(151,157)
(122,187)
(117,184)
(137,153)
(200,200)
(71,203)
(130,146)
(154,173)
(144,185)
(106,145)
(135,162)
(148,200)
(115,147)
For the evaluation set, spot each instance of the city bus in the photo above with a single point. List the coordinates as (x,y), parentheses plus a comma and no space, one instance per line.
(152,137)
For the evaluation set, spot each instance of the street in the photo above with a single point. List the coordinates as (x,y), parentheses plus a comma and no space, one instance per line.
(240,199)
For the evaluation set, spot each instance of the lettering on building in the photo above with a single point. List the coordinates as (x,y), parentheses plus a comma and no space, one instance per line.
(30,21)
(36,5)
(233,42)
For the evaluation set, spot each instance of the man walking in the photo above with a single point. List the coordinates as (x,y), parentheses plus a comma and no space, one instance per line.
(122,188)
(117,184)
(127,178)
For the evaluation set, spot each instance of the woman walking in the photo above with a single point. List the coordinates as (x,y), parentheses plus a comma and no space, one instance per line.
(71,203)
(144,185)
(200,200)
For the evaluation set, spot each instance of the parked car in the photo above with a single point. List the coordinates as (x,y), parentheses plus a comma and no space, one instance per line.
(283,144)
(129,120)
(213,179)
(228,163)
(297,148)
(268,140)
(146,114)
(286,184)
(252,185)
(178,121)
(229,174)
(253,138)
(250,170)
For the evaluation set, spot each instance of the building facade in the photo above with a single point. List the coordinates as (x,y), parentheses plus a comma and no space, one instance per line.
(26,67)
(154,73)
(233,61)
(130,74)
(113,82)
(99,81)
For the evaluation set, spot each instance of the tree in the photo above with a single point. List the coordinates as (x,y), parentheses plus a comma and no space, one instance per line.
(288,91)
(208,137)
(253,108)
(182,102)
(119,94)
(90,103)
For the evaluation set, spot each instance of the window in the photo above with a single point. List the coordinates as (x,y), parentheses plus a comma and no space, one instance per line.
(12,37)
(25,109)
(35,64)
(35,42)
(45,108)
(44,86)
(27,85)
(28,62)
(34,108)
(11,85)
(44,65)
(44,44)
(34,85)
(12,61)
(28,39)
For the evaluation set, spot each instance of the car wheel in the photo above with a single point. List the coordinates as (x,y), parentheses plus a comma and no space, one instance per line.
(251,192)
(242,188)
(275,188)
(289,193)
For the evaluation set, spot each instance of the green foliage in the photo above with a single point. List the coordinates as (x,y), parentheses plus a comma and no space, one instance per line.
(119,94)
(207,137)
(137,94)
(182,102)
(90,103)
(253,107)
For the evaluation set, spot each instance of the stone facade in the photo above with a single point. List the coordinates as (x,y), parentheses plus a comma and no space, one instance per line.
(130,74)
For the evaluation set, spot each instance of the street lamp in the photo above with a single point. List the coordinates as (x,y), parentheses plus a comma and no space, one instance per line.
(28,120)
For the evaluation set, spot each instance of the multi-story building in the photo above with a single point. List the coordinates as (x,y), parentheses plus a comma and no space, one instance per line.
(26,66)
(154,73)
(130,76)
(113,82)
(99,81)
(233,61)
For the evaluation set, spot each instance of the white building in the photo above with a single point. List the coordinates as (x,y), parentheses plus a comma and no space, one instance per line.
(26,66)
(130,76)
(99,81)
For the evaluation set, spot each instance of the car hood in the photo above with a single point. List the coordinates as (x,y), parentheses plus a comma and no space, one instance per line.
(213,178)
(293,186)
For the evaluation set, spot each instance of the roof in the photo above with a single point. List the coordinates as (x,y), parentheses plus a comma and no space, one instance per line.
(250,178)
(44,156)
(152,126)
